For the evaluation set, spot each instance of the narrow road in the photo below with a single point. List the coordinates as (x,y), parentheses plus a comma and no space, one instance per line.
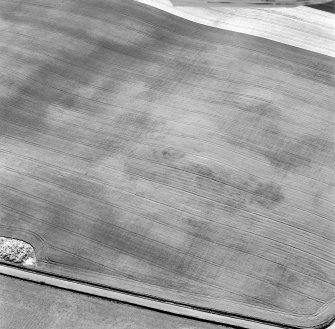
(77,286)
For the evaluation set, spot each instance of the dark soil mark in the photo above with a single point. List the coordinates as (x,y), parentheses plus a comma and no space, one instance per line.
(212,188)
(58,82)
(263,135)
(300,153)
(9,8)
(264,110)
(284,282)
(136,125)
(150,251)
(172,154)
(267,194)
(47,85)
(239,190)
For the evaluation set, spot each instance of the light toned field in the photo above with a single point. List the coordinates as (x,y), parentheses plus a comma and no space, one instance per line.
(247,3)
(301,27)
(149,153)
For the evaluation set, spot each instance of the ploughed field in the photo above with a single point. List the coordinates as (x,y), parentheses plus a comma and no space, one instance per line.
(148,153)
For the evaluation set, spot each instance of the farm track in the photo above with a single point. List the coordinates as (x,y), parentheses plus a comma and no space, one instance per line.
(127,297)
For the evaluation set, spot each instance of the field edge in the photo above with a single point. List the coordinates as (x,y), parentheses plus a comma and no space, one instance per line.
(322,319)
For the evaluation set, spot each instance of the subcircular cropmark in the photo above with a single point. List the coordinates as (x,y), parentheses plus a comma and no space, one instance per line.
(17,252)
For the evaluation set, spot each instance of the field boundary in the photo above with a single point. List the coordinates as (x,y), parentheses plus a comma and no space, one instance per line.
(75,285)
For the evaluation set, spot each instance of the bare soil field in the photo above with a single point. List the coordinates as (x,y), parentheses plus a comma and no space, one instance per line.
(144,152)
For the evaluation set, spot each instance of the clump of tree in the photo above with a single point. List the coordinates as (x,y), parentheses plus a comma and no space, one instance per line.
(16,251)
